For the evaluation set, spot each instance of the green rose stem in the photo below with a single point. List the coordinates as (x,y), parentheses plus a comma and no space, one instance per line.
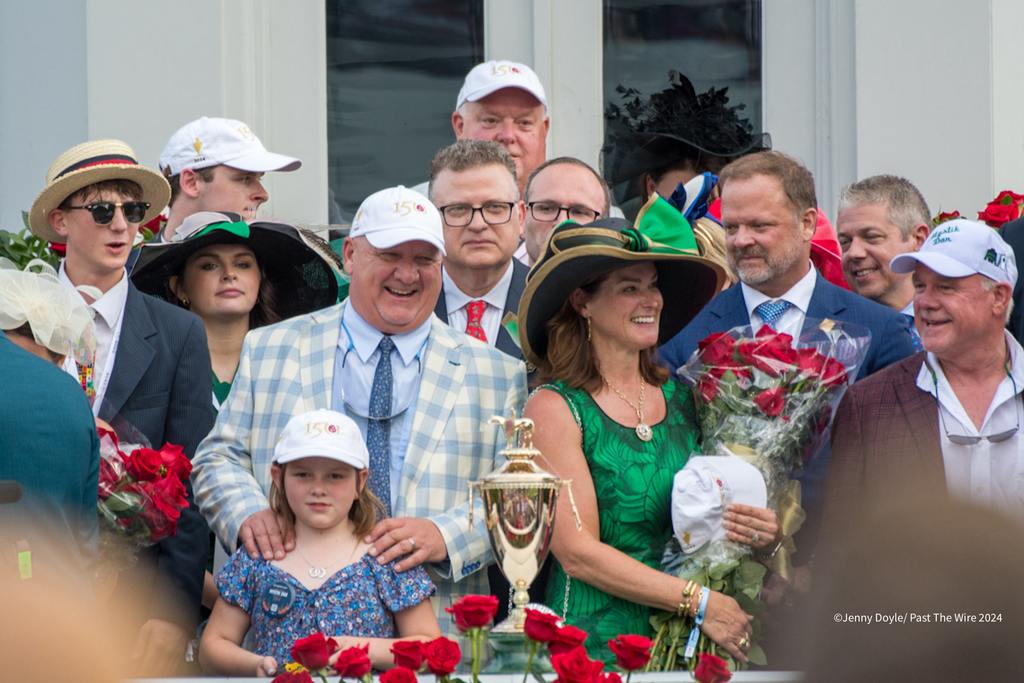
(656,648)
(474,643)
(534,645)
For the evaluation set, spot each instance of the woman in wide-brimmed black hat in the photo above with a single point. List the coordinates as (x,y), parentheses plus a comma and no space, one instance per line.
(236,276)
(609,418)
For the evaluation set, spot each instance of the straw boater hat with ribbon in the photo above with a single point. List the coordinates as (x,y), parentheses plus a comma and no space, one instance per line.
(303,278)
(576,254)
(89,163)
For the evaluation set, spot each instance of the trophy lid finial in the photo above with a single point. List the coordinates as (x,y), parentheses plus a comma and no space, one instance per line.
(518,430)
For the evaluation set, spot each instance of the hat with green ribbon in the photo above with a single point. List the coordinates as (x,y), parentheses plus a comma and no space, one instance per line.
(577,254)
(303,277)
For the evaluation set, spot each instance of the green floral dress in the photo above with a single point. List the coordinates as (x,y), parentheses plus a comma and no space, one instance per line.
(633,485)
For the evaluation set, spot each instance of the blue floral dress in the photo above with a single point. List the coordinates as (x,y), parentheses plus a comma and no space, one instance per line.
(357,600)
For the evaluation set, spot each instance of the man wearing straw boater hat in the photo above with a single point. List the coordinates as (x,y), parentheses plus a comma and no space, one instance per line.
(151,371)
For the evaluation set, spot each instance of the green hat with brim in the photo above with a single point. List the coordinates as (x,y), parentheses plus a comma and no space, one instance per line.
(576,254)
(303,279)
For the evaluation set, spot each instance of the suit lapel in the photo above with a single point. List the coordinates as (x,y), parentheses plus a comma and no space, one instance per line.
(505,342)
(920,410)
(317,352)
(441,309)
(443,375)
(134,353)
(824,303)
(729,308)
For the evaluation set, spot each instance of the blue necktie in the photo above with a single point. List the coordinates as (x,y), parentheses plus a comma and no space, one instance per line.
(771,311)
(378,431)
(914,336)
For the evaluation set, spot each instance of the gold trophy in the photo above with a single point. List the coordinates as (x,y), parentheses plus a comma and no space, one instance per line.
(519,502)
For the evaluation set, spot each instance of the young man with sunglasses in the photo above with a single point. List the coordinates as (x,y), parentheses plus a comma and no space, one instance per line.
(947,420)
(151,373)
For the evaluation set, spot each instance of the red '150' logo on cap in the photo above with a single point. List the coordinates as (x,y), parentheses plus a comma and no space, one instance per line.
(503,70)
(318,428)
(407,207)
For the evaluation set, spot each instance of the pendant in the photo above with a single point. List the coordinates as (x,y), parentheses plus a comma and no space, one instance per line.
(320,572)
(644,432)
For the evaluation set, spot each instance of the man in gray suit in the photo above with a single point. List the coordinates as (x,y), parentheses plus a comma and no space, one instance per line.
(473,185)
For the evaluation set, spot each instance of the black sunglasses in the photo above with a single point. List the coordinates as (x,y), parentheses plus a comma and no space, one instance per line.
(103,212)
(967,439)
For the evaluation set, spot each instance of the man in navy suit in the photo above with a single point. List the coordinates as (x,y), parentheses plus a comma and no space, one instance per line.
(473,185)
(769,214)
(151,372)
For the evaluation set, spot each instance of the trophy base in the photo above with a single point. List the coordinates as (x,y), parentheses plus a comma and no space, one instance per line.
(509,627)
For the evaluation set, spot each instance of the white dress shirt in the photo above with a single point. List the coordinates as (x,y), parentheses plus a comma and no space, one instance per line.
(799,296)
(455,299)
(988,473)
(108,315)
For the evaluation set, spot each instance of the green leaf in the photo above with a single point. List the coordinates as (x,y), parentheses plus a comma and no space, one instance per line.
(756,655)
(720,570)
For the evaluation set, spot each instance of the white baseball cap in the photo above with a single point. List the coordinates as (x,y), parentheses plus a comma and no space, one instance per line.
(959,248)
(489,77)
(211,141)
(397,215)
(703,489)
(323,434)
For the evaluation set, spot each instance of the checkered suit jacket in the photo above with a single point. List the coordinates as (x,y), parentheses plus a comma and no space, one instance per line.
(885,441)
(288,368)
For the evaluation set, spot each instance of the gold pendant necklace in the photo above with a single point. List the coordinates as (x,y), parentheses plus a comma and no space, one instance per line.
(642,429)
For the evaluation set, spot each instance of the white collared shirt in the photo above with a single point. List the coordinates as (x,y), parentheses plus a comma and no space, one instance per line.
(455,299)
(988,473)
(108,314)
(799,296)
(521,254)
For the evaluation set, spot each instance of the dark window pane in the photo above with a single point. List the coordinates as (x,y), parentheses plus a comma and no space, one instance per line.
(714,43)
(393,71)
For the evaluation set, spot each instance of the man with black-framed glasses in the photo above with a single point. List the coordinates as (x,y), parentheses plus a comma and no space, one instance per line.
(561,189)
(946,420)
(473,184)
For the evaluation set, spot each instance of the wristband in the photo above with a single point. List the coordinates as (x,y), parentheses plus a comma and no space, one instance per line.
(691,643)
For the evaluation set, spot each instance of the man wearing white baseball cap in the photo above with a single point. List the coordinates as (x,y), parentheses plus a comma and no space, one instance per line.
(216,164)
(947,420)
(505,102)
(419,391)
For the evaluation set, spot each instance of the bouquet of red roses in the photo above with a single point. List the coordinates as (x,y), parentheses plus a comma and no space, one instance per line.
(769,400)
(141,493)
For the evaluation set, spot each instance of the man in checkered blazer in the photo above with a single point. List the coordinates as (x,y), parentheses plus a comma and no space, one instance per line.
(444,386)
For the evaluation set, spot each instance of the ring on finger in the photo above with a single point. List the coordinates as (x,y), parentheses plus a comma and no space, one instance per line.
(755,537)
(412,543)
(744,642)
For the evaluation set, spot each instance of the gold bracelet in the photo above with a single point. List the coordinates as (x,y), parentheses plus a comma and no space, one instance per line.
(684,604)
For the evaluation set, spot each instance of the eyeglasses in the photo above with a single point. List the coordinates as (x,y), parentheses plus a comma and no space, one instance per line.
(461,215)
(967,440)
(549,211)
(103,212)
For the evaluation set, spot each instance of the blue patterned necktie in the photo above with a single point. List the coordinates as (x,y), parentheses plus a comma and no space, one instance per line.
(771,311)
(914,336)
(378,431)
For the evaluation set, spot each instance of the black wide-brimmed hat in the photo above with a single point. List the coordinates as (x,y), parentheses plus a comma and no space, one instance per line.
(302,277)
(673,124)
(576,254)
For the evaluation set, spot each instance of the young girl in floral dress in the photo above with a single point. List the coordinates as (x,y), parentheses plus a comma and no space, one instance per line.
(329,583)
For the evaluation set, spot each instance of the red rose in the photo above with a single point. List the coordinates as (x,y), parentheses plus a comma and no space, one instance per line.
(707,388)
(1008,197)
(566,639)
(575,666)
(442,655)
(353,662)
(175,462)
(313,651)
(945,216)
(833,374)
(58,248)
(169,496)
(997,214)
(108,477)
(408,653)
(711,669)
(608,677)
(810,361)
(293,677)
(770,352)
(631,652)
(398,675)
(717,349)
(473,611)
(541,627)
(144,464)
(771,401)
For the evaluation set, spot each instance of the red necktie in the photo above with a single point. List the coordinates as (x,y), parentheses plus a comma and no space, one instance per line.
(474,316)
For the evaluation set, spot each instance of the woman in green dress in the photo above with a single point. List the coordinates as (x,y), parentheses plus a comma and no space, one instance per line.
(609,418)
